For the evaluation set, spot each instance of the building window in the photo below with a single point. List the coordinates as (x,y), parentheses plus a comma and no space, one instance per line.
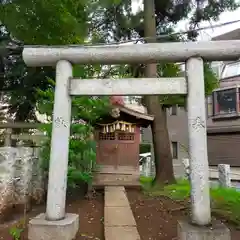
(231,70)
(175,150)
(225,101)
(173,110)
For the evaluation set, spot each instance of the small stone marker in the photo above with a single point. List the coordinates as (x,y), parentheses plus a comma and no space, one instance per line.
(186,165)
(224,175)
(147,167)
(148,161)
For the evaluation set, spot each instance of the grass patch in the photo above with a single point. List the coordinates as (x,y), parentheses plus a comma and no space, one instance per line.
(146,181)
(225,202)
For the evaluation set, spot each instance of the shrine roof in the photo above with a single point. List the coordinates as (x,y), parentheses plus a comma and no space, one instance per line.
(123,113)
(136,114)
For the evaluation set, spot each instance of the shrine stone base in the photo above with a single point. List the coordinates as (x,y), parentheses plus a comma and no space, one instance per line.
(126,176)
(217,231)
(41,229)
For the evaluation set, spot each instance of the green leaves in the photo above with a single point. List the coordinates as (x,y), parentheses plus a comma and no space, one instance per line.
(82,149)
(211,80)
(108,3)
(173,70)
(46,21)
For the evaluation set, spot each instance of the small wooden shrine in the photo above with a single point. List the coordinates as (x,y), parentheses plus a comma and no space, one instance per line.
(117,140)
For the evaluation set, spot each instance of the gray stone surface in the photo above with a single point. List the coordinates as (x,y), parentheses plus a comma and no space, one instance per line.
(41,229)
(114,188)
(118,216)
(121,233)
(116,199)
(147,167)
(119,222)
(7,176)
(217,231)
(20,176)
(224,175)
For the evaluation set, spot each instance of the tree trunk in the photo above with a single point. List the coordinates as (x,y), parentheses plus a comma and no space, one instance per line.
(160,136)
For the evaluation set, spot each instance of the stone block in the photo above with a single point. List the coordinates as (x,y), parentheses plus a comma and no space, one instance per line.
(224,175)
(121,233)
(217,231)
(114,189)
(116,199)
(118,216)
(101,180)
(41,229)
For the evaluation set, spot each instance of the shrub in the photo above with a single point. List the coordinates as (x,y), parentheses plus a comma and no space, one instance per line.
(144,148)
(82,149)
(82,154)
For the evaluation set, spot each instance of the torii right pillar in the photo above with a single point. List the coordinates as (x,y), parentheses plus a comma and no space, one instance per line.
(201,226)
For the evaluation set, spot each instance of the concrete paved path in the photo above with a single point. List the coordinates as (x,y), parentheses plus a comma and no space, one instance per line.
(119,222)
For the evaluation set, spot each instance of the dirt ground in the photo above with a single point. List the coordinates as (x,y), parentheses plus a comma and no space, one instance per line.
(157,217)
(90,213)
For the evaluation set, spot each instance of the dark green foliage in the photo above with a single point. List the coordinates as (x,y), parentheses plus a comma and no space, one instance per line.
(34,22)
(82,154)
(45,21)
(19,84)
(82,148)
(173,70)
(144,148)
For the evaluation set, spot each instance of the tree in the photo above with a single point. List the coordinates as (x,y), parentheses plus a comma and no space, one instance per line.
(19,84)
(34,22)
(162,150)
(163,156)
(160,18)
(45,21)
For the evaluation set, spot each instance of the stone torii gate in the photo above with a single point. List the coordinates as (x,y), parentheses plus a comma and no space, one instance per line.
(56,224)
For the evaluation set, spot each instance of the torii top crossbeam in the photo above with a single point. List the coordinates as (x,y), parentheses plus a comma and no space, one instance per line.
(136,53)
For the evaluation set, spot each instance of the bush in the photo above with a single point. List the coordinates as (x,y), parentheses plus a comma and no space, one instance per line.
(82,154)
(82,149)
(144,148)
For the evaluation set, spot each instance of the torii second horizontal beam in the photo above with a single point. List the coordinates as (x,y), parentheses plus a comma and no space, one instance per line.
(38,56)
(127,86)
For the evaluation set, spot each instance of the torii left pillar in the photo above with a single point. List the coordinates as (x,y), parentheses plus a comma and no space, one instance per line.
(55,224)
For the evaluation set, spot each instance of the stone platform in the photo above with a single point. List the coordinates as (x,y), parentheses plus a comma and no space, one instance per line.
(127,176)
(217,231)
(41,229)
(119,222)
